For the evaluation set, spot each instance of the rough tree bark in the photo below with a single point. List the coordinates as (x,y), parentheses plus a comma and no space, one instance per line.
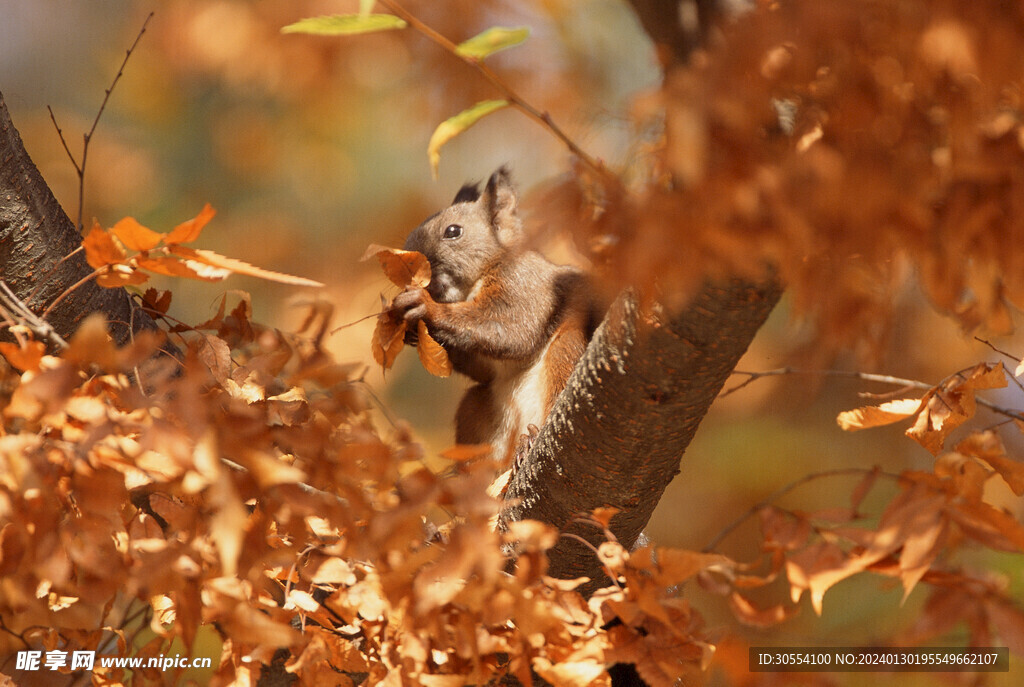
(36,236)
(634,402)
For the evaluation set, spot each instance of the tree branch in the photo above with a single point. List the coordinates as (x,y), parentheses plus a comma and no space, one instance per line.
(634,402)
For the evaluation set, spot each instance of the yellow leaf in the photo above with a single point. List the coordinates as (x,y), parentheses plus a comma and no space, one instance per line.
(432,354)
(344,24)
(491,41)
(453,126)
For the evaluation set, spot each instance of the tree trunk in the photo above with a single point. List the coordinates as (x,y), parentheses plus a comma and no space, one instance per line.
(35,236)
(616,434)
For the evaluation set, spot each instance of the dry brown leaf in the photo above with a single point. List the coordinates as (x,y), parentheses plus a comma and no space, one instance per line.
(951,404)
(991,526)
(432,354)
(749,614)
(876,416)
(405,268)
(388,338)
(988,447)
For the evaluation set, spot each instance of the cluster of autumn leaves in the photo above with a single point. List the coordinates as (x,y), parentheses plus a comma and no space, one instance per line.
(246,488)
(246,492)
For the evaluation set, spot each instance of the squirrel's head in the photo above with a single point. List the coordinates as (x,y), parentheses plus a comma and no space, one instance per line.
(465,239)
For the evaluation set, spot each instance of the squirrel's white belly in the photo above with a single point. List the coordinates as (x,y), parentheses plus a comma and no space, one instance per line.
(521,391)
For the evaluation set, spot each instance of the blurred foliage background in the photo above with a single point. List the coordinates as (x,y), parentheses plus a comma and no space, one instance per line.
(311,148)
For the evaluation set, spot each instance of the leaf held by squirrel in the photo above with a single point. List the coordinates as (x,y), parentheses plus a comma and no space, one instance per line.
(407,269)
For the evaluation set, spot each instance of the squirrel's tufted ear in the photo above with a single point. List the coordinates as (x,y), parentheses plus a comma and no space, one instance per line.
(501,200)
(469,193)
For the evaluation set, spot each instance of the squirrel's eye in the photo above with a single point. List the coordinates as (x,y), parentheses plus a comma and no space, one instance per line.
(452,231)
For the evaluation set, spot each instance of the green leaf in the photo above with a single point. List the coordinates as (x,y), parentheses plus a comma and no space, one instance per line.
(491,41)
(343,24)
(453,126)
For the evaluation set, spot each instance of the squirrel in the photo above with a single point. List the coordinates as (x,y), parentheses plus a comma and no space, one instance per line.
(509,319)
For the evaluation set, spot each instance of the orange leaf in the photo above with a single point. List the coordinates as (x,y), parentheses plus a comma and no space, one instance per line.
(195,258)
(993,527)
(189,231)
(26,358)
(100,249)
(432,354)
(876,416)
(404,268)
(173,267)
(748,614)
(135,236)
(949,405)
(987,446)
(388,338)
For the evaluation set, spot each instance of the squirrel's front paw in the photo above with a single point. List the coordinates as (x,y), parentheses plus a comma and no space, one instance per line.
(412,303)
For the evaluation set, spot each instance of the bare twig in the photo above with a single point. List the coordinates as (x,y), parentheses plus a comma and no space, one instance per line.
(782,491)
(868,377)
(1008,355)
(87,137)
(883,379)
(68,291)
(21,313)
(510,94)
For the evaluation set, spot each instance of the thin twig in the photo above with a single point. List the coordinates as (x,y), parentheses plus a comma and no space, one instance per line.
(68,291)
(21,312)
(884,379)
(511,95)
(782,491)
(87,137)
(1008,355)
(868,377)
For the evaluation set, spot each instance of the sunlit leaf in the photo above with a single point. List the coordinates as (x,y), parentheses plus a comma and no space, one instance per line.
(491,41)
(876,416)
(366,6)
(221,262)
(135,236)
(100,248)
(404,268)
(453,126)
(344,24)
(189,231)
(173,267)
(432,354)
(121,275)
